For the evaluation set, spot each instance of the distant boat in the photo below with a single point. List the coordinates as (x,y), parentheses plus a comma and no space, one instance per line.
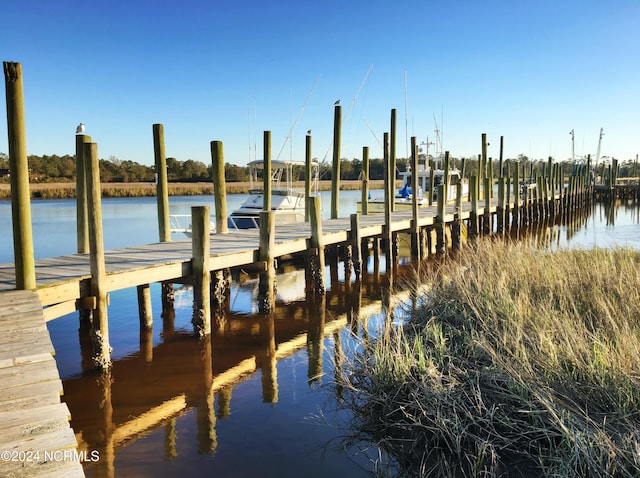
(288,203)
(404,195)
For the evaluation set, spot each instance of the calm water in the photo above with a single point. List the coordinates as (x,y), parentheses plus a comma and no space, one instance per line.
(259,398)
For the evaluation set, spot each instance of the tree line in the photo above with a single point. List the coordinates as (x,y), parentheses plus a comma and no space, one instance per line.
(54,168)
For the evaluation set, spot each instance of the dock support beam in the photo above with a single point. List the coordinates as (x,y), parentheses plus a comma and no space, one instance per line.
(355,242)
(364,199)
(20,195)
(100,320)
(201,251)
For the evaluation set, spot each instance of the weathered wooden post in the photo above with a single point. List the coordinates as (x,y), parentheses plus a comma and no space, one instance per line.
(515,219)
(317,244)
(486,218)
(446,180)
(144,307)
(266,172)
(201,252)
(415,226)
(100,320)
(392,160)
(308,176)
(473,192)
(266,292)
(82,217)
(355,240)
(441,247)
(162,185)
(501,205)
(335,170)
(18,164)
(219,186)
(456,228)
(364,198)
(388,192)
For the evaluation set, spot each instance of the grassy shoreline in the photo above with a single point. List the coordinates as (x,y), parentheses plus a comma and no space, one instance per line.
(68,190)
(515,363)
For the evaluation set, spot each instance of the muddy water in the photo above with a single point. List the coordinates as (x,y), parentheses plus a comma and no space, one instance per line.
(260,396)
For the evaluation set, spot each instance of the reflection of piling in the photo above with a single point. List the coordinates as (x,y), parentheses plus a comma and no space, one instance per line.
(19,167)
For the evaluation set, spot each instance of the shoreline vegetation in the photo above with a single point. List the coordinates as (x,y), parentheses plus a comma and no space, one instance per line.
(145,189)
(512,362)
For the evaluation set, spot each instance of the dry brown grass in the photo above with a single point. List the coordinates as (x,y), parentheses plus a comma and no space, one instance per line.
(68,190)
(516,363)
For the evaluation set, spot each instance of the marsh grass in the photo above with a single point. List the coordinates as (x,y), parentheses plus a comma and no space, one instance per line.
(120,190)
(516,362)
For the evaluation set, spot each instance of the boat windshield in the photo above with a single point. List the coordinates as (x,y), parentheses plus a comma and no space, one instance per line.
(283,174)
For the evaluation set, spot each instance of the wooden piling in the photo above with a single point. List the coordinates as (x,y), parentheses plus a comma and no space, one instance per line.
(144,307)
(364,198)
(317,244)
(392,160)
(201,252)
(219,187)
(388,192)
(266,172)
(308,174)
(440,221)
(18,164)
(415,228)
(100,319)
(355,241)
(162,186)
(266,287)
(473,220)
(335,170)
(82,218)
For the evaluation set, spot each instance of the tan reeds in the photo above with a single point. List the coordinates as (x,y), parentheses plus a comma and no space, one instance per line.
(517,363)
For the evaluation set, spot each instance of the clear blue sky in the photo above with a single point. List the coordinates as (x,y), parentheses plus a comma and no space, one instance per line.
(530,71)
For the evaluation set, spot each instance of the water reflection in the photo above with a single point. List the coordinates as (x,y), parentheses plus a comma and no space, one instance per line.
(239,402)
(150,391)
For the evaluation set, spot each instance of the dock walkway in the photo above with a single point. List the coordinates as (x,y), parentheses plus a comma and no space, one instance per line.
(35,437)
(63,280)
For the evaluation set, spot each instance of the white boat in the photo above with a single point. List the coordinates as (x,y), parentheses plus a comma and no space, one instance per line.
(404,195)
(288,203)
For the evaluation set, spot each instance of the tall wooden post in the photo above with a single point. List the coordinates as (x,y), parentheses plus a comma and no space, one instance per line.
(201,252)
(392,160)
(364,198)
(100,320)
(162,186)
(266,172)
(441,246)
(335,170)
(388,192)
(308,176)
(82,216)
(415,228)
(20,195)
(355,242)
(219,186)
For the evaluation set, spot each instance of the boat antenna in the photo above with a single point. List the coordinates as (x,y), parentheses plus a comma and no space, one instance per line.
(288,138)
(406,113)
(573,145)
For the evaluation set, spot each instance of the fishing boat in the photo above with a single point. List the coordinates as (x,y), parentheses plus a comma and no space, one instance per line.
(404,195)
(288,203)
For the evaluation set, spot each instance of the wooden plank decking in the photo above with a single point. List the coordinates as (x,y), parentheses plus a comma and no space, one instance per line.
(61,279)
(35,437)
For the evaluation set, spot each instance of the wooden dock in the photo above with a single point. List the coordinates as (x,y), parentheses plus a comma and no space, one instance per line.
(35,437)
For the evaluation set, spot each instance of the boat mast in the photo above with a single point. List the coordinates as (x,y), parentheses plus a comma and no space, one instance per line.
(573,146)
(599,144)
